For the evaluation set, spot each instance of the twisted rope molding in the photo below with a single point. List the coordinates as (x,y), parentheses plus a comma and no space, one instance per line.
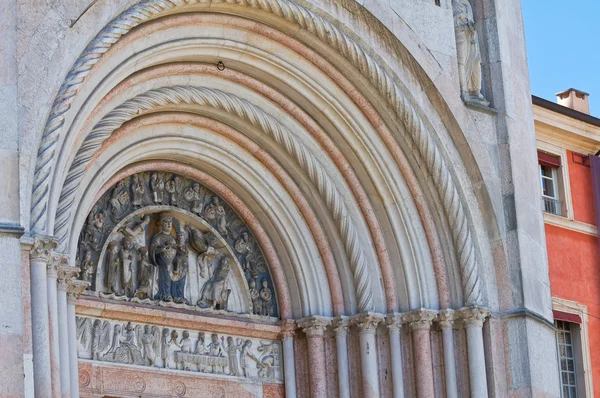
(323,30)
(243,109)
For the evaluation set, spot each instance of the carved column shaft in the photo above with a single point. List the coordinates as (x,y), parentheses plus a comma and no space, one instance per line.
(473,317)
(367,326)
(289,364)
(394,324)
(52,276)
(65,274)
(340,326)
(74,288)
(420,325)
(314,327)
(446,318)
(42,371)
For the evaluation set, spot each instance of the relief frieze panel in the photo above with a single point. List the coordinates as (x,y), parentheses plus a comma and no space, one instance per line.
(163,239)
(196,351)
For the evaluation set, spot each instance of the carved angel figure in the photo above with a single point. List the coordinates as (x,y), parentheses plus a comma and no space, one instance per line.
(148,340)
(215,291)
(157,185)
(94,333)
(94,229)
(467,48)
(137,191)
(123,349)
(215,214)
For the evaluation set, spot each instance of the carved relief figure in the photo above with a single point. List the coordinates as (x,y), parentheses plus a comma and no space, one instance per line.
(232,356)
(269,361)
(137,191)
(245,248)
(244,355)
(179,270)
(157,185)
(215,350)
(113,284)
(205,259)
(119,198)
(94,229)
(149,341)
(136,230)
(127,255)
(124,349)
(96,334)
(87,267)
(165,343)
(266,297)
(215,214)
(467,47)
(171,189)
(145,274)
(215,291)
(255,300)
(194,196)
(201,349)
(185,346)
(163,250)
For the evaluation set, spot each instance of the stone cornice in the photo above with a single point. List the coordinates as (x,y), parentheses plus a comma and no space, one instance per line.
(446,318)
(314,325)
(474,316)
(420,319)
(42,248)
(394,321)
(367,322)
(9,229)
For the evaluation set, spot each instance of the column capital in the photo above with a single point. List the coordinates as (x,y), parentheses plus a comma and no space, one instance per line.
(420,319)
(474,316)
(446,318)
(75,288)
(367,321)
(314,325)
(288,328)
(65,274)
(42,247)
(340,324)
(394,321)
(55,261)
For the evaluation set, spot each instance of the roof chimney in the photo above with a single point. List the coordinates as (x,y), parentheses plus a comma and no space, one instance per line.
(574,99)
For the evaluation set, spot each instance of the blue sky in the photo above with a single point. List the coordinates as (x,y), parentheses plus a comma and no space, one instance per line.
(563,47)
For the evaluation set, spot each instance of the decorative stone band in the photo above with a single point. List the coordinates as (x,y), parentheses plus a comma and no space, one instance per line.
(416,128)
(314,325)
(42,248)
(367,322)
(253,114)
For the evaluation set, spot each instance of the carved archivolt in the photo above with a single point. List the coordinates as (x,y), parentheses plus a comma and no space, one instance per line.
(187,350)
(415,127)
(163,239)
(257,117)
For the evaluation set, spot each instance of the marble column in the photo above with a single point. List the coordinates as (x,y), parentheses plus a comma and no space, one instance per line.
(42,371)
(288,328)
(51,288)
(65,274)
(473,318)
(340,327)
(74,289)
(446,321)
(314,328)
(394,324)
(420,325)
(367,326)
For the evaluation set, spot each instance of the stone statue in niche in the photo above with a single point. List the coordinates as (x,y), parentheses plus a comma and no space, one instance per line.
(119,199)
(92,235)
(123,349)
(148,341)
(215,214)
(266,297)
(179,270)
(128,252)
(87,267)
(157,185)
(113,263)
(215,291)
(194,196)
(145,274)
(137,191)
(467,48)
(163,250)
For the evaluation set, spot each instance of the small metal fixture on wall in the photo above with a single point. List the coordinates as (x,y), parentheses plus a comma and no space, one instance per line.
(221,66)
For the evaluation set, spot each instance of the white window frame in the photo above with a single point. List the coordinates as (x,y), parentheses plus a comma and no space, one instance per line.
(564,189)
(573,307)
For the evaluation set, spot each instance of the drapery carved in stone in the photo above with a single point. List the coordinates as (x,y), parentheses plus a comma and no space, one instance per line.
(164,239)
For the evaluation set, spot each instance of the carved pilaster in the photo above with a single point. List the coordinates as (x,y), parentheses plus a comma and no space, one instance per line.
(314,325)
(474,316)
(394,321)
(42,248)
(75,288)
(420,319)
(446,318)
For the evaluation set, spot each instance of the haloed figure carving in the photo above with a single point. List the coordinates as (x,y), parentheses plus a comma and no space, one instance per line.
(469,57)
(163,250)
(179,270)
(157,185)
(137,191)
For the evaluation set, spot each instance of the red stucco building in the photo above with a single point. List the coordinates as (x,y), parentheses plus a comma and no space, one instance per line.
(568,139)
